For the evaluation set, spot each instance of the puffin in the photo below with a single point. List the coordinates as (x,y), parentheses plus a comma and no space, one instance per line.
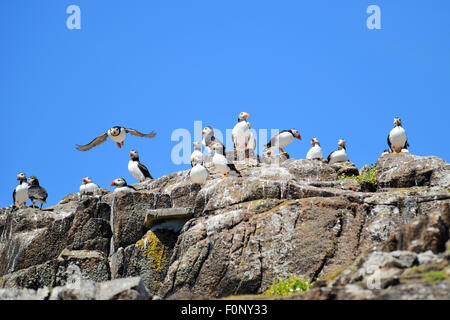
(88,186)
(221,163)
(198,173)
(241,132)
(316,151)
(340,155)
(36,193)
(282,139)
(397,139)
(209,138)
(121,185)
(137,169)
(20,193)
(117,134)
(197,155)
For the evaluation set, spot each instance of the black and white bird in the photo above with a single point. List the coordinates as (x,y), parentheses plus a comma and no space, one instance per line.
(316,151)
(210,139)
(20,193)
(397,139)
(221,163)
(122,186)
(137,169)
(88,187)
(340,155)
(197,155)
(282,139)
(36,193)
(198,173)
(117,134)
(241,132)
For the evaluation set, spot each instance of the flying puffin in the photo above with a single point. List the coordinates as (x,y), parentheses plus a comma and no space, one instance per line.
(282,139)
(36,193)
(121,185)
(397,139)
(20,193)
(137,169)
(221,163)
(340,155)
(197,155)
(316,151)
(117,134)
(241,132)
(209,138)
(198,173)
(88,186)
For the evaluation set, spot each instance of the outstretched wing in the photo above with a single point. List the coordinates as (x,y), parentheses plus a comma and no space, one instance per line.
(96,142)
(144,170)
(389,143)
(140,134)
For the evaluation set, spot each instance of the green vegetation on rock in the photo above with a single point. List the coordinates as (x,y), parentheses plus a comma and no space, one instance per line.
(369,175)
(288,286)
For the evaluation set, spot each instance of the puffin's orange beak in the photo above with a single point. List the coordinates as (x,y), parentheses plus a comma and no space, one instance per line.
(247,115)
(202,132)
(17,178)
(84,180)
(112,183)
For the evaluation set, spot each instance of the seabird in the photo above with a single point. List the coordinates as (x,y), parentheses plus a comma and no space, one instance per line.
(117,134)
(282,139)
(136,168)
(121,185)
(20,193)
(241,132)
(339,155)
(316,151)
(397,139)
(88,187)
(198,173)
(36,193)
(221,163)
(197,155)
(209,139)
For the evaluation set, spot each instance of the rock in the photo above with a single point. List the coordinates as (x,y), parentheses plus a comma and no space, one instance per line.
(345,169)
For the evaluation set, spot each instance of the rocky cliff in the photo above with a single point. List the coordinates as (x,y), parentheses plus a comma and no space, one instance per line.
(351,238)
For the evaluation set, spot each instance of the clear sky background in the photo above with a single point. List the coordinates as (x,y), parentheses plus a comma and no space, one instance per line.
(161,65)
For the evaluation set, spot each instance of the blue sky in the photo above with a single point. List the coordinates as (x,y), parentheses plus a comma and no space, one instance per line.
(161,65)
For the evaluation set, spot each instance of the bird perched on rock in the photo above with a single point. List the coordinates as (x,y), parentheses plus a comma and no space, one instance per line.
(397,139)
(20,193)
(282,139)
(241,132)
(209,139)
(198,173)
(88,187)
(316,151)
(117,134)
(197,155)
(36,193)
(136,168)
(121,185)
(340,155)
(221,163)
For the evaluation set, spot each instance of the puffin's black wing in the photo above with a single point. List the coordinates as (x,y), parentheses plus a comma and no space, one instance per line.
(14,196)
(329,156)
(144,170)
(38,193)
(131,187)
(389,142)
(136,133)
(233,168)
(96,142)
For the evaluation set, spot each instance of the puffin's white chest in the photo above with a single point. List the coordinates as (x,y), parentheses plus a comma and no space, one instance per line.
(21,195)
(283,139)
(119,138)
(204,144)
(123,189)
(196,157)
(251,144)
(315,153)
(198,174)
(240,134)
(135,171)
(338,156)
(89,187)
(220,163)
(397,137)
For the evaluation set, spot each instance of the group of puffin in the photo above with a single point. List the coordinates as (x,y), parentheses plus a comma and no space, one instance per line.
(243,140)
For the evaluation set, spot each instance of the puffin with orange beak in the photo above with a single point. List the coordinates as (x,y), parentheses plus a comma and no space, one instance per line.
(241,132)
(20,193)
(282,139)
(340,155)
(197,155)
(137,169)
(117,134)
(209,139)
(397,139)
(122,186)
(88,187)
